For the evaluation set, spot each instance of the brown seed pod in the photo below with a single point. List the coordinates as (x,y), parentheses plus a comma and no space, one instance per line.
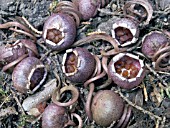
(78,64)
(59,31)
(54,117)
(152,42)
(14,53)
(107,107)
(125,31)
(126,70)
(28,75)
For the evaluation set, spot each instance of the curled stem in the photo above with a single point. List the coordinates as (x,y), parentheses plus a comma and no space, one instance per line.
(129,112)
(57,93)
(23,32)
(79,120)
(15,24)
(14,62)
(123,117)
(143,3)
(158,62)
(104,63)
(100,36)
(94,78)
(88,102)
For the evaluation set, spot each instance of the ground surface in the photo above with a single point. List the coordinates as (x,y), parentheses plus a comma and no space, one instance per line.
(36,12)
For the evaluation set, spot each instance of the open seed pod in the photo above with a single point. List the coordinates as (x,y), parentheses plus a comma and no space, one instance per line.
(152,42)
(78,64)
(126,70)
(107,107)
(28,75)
(139,10)
(125,31)
(14,53)
(59,31)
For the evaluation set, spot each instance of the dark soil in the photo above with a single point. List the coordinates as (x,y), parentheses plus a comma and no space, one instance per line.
(36,12)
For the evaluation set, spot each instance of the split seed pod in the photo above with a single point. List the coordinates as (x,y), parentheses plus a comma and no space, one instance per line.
(152,42)
(107,107)
(126,70)
(125,31)
(78,64)
(28,75)
(14,53)
(59,31)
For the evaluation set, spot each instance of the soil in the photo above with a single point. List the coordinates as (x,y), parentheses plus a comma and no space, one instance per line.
(152,100)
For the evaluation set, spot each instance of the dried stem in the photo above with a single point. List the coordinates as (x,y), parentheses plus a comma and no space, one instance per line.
(14,62)
(139,108)
(100,36)
(88,102)
(57,93)
(79,120)
(94,78)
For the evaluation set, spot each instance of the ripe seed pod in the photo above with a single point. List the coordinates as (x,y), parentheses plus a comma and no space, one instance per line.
(14,53)
(59,31)
(125,31)
(126,70)
(152,42)
(54,117)
(88,8)
(107,106)
(28,75)
(78,64)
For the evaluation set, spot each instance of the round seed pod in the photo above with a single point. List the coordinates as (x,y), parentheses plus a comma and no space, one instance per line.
(28,75)
(152,42)
(14,53)
(88,8)
(78,65)
(126,70)
(107,107)
(54,117)
(59,31)
(125,31)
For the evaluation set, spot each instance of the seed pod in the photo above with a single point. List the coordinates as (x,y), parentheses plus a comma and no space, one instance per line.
(152,42)
(59,31)
(28,75)
(14,53)
(126,70)
(125,31)
(88,8)
(54,117)
(107,107)
(78,65)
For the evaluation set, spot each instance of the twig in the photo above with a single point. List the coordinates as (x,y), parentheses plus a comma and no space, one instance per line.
(138,107)
(18,102)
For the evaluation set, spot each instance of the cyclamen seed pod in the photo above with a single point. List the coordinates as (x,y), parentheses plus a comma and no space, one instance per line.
(59,31)
(152,42)
(88,8)
(107,107)
(54,117)
(125,31)
(28,75)
(126,70)
(78,65)
(14,53)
